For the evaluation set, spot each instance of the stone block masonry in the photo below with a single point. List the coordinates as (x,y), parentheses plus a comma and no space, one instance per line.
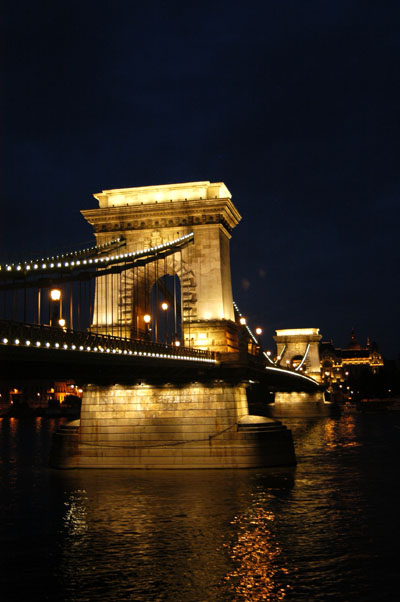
(168,426)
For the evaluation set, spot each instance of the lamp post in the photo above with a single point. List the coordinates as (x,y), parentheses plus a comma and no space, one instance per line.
(147,320)
(243,338)
(164,307)
(189,309)
(55,306)
(259,333)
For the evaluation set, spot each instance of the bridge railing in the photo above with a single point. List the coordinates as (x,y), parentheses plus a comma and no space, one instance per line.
(37,335)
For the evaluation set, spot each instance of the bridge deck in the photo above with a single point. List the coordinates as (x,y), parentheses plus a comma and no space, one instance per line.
(42,352)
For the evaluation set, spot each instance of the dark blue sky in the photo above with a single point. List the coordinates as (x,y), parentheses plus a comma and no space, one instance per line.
(293,104)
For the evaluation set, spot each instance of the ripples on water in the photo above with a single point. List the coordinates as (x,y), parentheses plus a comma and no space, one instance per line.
(326,530)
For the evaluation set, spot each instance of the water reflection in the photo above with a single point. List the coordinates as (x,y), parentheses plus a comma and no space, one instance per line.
(328,529)
(75,517)
(158,536)
(341,432)
(258,558)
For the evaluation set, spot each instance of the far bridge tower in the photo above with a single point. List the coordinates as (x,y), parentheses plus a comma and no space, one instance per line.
(299,348)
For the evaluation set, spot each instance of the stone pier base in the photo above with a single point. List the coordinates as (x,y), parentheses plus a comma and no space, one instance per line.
(300,405)
(192,426)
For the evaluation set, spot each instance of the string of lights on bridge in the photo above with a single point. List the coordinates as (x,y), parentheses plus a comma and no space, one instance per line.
(116,350)
(70,261)
(58,262)
(88,251)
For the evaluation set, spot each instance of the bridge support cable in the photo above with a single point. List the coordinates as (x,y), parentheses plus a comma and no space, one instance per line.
(14,276)
(269,359)
(280,356)
(304,358)
(251,334)
(74,256)
(295,375)
(111,305)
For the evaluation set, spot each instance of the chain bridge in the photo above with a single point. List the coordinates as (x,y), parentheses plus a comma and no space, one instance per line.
(146,321)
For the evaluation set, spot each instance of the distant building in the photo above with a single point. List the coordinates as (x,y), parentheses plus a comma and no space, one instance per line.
(38,393)
(341,368)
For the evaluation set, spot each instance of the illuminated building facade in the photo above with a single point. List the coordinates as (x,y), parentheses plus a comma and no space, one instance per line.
(343,369)
(38,394)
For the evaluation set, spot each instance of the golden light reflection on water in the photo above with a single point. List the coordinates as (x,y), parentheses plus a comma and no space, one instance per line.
(75,516)
(341,433)
(14,423)
(258,559)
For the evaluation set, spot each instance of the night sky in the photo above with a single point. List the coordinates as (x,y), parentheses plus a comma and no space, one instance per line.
(294,104)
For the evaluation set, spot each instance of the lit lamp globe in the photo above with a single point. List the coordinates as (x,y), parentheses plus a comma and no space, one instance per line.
(164,306)
(147,319)
(242,321)
(258,331)
(55,294)
(55,304)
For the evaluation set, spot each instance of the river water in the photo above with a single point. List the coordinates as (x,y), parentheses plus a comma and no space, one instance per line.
(327,530)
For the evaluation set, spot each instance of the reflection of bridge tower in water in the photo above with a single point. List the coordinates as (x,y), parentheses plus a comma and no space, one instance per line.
(152,215)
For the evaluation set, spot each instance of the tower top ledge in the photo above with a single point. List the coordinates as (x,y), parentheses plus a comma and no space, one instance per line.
(290,332)
(188,191)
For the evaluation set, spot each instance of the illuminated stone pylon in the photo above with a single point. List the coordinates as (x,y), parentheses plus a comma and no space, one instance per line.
(298,348)
(151,215)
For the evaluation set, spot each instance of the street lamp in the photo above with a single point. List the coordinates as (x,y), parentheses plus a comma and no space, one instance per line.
(164,307)
(55,306)
(147,320)
(259,333)
(55,294)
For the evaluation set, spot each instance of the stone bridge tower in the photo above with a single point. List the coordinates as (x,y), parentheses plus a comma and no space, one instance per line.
(151,215)
(297,346)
